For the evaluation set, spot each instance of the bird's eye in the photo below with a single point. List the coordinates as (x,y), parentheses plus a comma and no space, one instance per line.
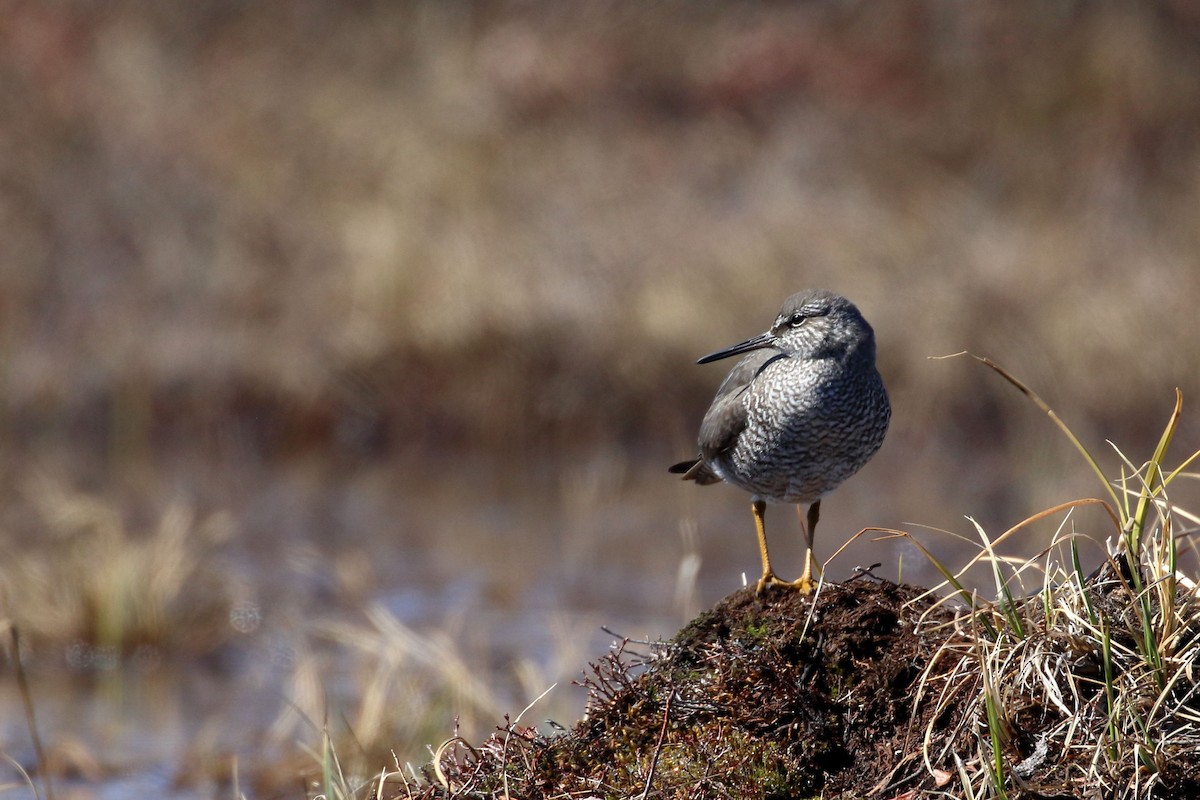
(796,320)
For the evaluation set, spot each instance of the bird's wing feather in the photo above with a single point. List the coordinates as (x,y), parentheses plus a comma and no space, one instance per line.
(726,417)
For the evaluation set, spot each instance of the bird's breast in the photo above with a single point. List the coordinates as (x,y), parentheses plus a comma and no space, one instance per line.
(809,426)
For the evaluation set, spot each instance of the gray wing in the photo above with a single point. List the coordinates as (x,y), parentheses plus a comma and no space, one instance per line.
(726,417)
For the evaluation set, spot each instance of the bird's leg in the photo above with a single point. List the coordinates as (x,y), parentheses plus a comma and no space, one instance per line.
(805,582)
(760,525)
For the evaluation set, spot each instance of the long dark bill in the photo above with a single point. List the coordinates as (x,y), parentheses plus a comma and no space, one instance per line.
(756,343)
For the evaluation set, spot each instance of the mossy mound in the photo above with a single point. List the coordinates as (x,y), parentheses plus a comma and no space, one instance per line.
(868,689)
(758,697)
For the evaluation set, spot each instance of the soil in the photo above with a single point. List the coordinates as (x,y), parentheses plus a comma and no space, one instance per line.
(784,696)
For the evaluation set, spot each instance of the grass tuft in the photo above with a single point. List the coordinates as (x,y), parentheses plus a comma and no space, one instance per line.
(98,586)
(1090,681)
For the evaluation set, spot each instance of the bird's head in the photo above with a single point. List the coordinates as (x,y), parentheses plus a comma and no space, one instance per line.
(814,323)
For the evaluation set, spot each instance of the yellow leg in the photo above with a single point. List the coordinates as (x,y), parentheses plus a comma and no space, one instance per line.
(760,526)
(805,582)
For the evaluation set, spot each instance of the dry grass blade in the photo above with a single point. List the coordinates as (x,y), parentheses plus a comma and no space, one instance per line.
(508,731)
(30,716)
(946,572)
(1044,406)
(28,781)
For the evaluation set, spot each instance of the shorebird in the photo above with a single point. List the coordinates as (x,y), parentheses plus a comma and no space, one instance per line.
(804,411)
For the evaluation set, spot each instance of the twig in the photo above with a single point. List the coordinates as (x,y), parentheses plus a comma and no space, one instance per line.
(662,735)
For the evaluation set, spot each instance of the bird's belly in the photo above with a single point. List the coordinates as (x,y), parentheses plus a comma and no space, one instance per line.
(784,480)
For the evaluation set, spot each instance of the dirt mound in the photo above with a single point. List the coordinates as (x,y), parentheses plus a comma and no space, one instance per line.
(868,689)
(759,697)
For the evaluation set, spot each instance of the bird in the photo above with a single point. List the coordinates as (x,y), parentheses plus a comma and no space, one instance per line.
(801,412)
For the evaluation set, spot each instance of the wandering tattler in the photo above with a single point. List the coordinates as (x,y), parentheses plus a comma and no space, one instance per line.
(805,410)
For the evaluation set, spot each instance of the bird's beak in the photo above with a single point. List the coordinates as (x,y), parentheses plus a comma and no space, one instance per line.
(756,343)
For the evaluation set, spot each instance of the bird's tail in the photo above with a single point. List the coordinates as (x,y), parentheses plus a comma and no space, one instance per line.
(694,470)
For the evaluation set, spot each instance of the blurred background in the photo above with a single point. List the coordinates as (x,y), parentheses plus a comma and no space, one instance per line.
(344,346)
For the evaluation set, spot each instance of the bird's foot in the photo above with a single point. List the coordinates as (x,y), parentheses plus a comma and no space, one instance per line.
(769,579)
(805,584)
